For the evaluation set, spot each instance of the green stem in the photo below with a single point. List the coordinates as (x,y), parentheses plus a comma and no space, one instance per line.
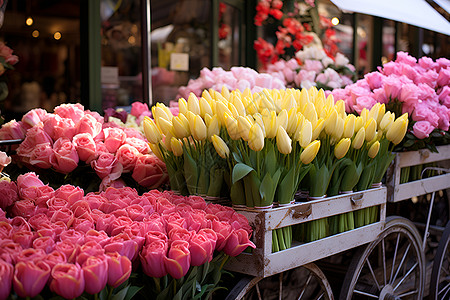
(110,291)
(157,284)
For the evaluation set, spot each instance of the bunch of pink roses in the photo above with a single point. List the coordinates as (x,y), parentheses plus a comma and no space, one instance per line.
(238,78)
(419,87)
(72,137)
(77,243)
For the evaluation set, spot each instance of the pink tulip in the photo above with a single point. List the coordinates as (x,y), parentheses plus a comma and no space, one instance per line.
(6,276)
(67,280)
(69,249)
(152,258)
(202,246)
(23,237)
(237,242)
(30,278)
(119,269)
(89,249)
(24,208)
(55,257)
(95,270)
(45,243)
(178,259)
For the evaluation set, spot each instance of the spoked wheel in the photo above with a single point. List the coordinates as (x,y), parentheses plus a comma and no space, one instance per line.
(305,282)
(391,267)
(440,276)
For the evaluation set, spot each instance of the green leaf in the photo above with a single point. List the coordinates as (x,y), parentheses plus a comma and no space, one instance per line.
(270,160)
(240,171)
(121,294)
(237,158)
(190,173)
(287,188)
(132,291)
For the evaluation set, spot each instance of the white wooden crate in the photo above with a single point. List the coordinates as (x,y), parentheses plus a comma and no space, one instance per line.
(262,262)
(400,191)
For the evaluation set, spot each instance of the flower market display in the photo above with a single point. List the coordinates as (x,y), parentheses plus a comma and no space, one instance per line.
(112,245)
(89,151)
(7,61)
(262,145)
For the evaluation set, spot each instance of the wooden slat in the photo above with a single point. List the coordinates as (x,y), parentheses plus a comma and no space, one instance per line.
(420,187)
(423,156)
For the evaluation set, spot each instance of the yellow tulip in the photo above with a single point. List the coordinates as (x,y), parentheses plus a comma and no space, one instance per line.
(193,104)
(244,127)
(205,108)
(310,113)
(221,110)
(404,116)
(359,122)
(312,93)
(340,108)
(259,120)
(381,113)
(341,148)
(239,106)
(306,134)
(374,111)
(156,151)
(370,127)
(283,119)
(177,146)
(218,96)
(318,129)
(199,129)
(213,127)
(208,119)
(233,110)
(304,99)
(220,146)
(256,138)
(364,115)
(270,124)
(267,101)
(182,106)
(320,98)
(331,122)
(181,126)
(225,92)
(373,150)
(289,102)
(397,131)
(247,93)
(349,126)
(167,141)
(250,106)
(284,142)
(151,131)
(310,152)
(292,121)
(159,113)
(359,138)
(207,96)
(232,127)
(387,121)
(339,130)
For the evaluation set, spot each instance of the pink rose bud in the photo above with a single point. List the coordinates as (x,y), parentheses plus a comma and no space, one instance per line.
(8,194)
(69,249)
(67,280)
(45,243)
(86,147)
(6,276)
(55,257)
(119,269)
(33,117)
(30,278)
(150,171)
(65,157)
(178,259)
(152,258)
(114,138)
(29,180)
(89,125)
(95,270)
(71,111)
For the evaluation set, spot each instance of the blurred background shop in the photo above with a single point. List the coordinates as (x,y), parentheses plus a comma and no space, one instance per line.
(100,53)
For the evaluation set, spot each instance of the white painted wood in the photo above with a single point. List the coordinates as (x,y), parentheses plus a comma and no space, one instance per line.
(420,187)
(423,156)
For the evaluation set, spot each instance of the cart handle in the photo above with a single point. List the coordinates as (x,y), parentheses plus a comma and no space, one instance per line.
(357,199)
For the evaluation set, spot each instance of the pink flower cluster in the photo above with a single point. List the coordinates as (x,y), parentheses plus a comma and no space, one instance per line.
(70,135)
(421,87)
(237,78)
(314,70)
(79,243)
(9,59)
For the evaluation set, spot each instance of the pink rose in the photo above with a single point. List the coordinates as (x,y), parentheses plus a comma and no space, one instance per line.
(8,193)
(12,130)
(237,242)
(50,123)
(94,200)
(374,79)
(364,102)
(404,57)
(107,182)
(40,156)
(30,278)
(29,179)
(178,259)
(119,269)
(33,117)
(19,223)
(45,243)
(152,258)
(40,194)
(89,249)
(67,280)
(62,214)
(127,155)
(35,136)
(85,146)
(64,158)
(24,208)
(6,276)
(422,112)
(69,193)
(64,128)
(88,124)
(392,86)
(70,111)
(312,65)
(107,164)
(5,230)
(23,237)
(114,138)
(137,108)
(95,270)
(150,171)
(55,257)
(133,133)
(202,246)
(56,203)
(73,236)
(69,249)
(139,144)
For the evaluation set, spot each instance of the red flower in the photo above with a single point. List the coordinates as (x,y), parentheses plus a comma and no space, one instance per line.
(277,4)
(276,13)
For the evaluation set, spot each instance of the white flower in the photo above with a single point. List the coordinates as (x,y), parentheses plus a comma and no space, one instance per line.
(341,60)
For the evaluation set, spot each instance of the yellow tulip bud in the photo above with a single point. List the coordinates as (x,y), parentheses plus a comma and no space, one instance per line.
(310,113)
(167,141)
(404,116)
(306,134)
(239,106)
(267,101)
(225,92)
(320,98)
(373,150)
(182,106)
(370,127)
(221,110)
(374,111)
(232,127)
(256,138)
(247,93)
(341,148)
(318,129)
(233,110)
(270,124)
(159,113)
(250,106)
(283,119)
(330,101)
(213,127)
(310,152)
(292,121)
(177,146)
(304,99)
(359,122)
(243,127)
(208,119)
(193,104)
(156,151)
(289,102)
(387,121)
(340,108)
(199,129)
(151,131)
(381,113)
(284,142)
(364,115)
(397,131)
(359,138)
(207,96)
(190,116)
(312,93)
(181,126)
(260,122)
(205,108)
(339,130)
(349,126)
(331,122)
(220,146)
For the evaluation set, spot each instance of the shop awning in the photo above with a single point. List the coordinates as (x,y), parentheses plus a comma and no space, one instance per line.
(415,12)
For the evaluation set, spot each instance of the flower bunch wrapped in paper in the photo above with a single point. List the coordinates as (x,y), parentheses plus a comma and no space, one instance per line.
(79,144)
(89,245)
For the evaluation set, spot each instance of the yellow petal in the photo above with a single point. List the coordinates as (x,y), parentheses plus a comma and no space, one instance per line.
(283,119)
(244,127)
(373,150)
(177,146)
(151,131)
(199,131)
(213,127)
(156,151)
(284,142)
(330,122)
(341,148)
(310,152)
(205,108)
(306,134)
(359,138)
(182,106)
(220,146)
(349,126)
(193,104)
(232,127)
(370,127)
(318,128)
(181,126)
(256,138)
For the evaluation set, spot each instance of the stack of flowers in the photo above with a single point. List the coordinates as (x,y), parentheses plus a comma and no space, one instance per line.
(237,78)
(269,141)
(70,244)
(316,69)
(79,143)
(420,88)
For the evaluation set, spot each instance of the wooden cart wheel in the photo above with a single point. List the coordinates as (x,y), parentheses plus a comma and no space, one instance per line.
(440,275)
(305,282)
(391,267)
